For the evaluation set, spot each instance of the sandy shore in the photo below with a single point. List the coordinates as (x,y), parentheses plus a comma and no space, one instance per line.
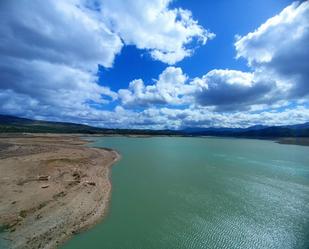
(52,186)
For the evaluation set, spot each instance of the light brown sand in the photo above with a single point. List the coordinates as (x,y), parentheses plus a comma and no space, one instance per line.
(52,186)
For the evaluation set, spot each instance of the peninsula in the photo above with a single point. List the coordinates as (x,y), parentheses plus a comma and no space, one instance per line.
(52,186)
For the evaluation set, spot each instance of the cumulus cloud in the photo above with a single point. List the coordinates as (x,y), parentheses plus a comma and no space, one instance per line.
(49,56)
(279,48)
(56,31)
(231,89)
(277,54)
(152,25)
(170,88)
(163,118)
(50,50)
(222,89)
(51,84)
(171,118)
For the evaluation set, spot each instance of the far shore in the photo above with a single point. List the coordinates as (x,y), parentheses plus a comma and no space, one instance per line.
(52,187)
(294,140)
(304,141)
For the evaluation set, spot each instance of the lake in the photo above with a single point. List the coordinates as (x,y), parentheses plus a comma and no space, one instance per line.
(175,192)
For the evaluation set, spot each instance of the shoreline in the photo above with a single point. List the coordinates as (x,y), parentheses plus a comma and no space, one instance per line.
(303,141)
(27,225)
(73,194)
(98,216)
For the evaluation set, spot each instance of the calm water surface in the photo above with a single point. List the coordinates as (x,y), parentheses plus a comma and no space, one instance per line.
(204,193)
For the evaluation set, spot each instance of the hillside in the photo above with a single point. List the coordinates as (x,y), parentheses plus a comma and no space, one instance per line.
(10,124)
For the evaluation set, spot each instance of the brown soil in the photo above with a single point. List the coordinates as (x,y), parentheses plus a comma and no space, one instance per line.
(52,186)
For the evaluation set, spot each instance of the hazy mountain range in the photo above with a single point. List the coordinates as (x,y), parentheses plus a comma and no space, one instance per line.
(17,124)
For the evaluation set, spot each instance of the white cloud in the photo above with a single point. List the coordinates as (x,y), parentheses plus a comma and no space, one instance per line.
(170,88)
(56,31)
(152,25)
(231,89)
(204,117)
(54,85)
(279,49)
(222,89)
(50,50)
(278,55)
(49,53)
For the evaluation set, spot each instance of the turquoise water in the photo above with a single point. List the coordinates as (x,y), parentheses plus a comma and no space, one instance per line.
(172,192)
(3,242)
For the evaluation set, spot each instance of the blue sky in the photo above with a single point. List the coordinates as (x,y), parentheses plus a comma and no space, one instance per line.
(225,18)
(157,63)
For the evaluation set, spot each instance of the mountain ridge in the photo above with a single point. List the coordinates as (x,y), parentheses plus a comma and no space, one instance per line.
(11,124)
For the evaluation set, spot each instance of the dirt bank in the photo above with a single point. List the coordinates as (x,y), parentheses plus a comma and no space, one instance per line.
(52,186)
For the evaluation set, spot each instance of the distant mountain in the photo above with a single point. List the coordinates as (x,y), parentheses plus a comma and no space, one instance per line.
(16,124)
(256,127)
(12,124)
(300,130)
(210,129)
(6,119)
(298,126)
(195,130)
